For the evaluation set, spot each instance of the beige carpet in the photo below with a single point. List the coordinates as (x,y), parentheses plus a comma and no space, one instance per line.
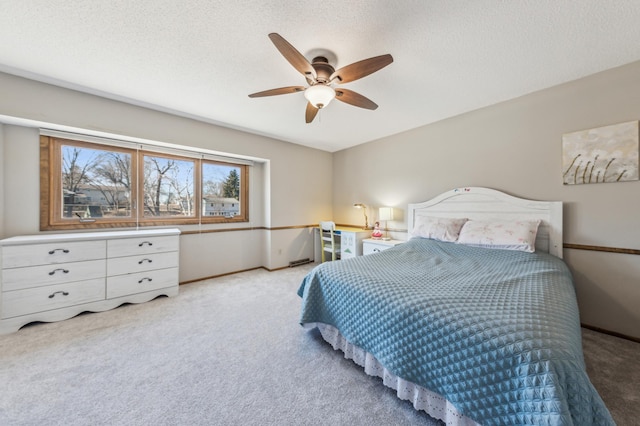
(225,351)
(613,365)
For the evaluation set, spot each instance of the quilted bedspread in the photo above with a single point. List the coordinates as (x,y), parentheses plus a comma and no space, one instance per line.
(495,332)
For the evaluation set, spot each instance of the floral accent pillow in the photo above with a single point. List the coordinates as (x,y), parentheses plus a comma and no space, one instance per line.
(437,228)
(506,235)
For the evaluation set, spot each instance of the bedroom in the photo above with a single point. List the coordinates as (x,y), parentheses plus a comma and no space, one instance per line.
(514,146)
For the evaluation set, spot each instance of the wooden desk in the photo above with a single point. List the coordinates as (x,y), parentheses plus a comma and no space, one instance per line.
(350,242)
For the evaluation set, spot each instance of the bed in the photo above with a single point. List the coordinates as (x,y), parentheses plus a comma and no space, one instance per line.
(473,327)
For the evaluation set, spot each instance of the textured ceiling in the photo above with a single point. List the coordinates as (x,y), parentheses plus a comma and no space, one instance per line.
(201,58)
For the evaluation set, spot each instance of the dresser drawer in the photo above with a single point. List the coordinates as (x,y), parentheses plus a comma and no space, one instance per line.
(43,275)
(142,245)
(51,253)
(123,285)
(32,300)
(371,246)
(142,262)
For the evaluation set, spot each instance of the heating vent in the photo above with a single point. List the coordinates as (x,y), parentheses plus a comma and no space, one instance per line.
(299,262)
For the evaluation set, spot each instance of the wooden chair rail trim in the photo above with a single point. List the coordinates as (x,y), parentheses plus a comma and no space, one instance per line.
(248,228)
(601,248)
(281,228)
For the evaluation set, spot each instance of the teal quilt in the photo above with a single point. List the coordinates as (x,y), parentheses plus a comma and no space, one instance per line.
(495,332)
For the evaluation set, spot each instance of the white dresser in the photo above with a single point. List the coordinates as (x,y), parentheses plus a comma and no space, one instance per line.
(51,277)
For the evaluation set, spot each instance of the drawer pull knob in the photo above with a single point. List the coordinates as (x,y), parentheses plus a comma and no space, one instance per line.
(64,271)
(64,293)
(55,250)
(145,242)
(145,279)
(145,260)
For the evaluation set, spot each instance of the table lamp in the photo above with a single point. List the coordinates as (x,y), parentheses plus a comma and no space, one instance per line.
(364,211)
(385,213)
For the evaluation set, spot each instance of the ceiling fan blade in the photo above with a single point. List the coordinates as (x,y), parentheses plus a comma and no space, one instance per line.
(352,98)
(278,91)
(361,68)
(310,113)
(294,57)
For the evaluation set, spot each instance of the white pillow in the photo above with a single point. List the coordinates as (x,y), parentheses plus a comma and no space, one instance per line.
(437,228)
(506,235)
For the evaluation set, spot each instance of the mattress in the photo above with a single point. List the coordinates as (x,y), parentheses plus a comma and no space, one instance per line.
(494,332)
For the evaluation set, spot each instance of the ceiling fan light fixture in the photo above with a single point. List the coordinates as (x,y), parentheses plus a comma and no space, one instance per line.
(319,95)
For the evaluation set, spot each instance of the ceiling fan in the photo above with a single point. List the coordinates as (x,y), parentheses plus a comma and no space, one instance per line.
(320,75)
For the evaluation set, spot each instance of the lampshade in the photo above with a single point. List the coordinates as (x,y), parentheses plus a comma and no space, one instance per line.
(319,95)
(385,213)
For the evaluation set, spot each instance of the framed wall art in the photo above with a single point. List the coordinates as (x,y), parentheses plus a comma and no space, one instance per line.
(603,154)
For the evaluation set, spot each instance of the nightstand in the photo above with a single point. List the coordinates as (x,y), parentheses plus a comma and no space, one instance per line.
(371,245)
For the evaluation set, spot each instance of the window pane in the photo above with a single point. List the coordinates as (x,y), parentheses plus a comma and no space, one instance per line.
(168,187)
(220,190)
(96,183)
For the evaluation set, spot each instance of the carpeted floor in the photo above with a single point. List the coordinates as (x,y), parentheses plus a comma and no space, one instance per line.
(226,351)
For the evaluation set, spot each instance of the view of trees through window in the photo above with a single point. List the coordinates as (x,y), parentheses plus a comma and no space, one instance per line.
(102,183)
(168,187)
(95,183)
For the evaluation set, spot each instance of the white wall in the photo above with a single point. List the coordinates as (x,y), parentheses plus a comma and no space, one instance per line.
(22,180)
(2,171)
(278,203)
(516,147)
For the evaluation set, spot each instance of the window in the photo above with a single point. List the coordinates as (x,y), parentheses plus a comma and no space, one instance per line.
(222,183)
(84,173)
(91,185)
(169,187)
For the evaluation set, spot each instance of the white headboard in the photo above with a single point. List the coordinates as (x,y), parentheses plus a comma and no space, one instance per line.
(484,203)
